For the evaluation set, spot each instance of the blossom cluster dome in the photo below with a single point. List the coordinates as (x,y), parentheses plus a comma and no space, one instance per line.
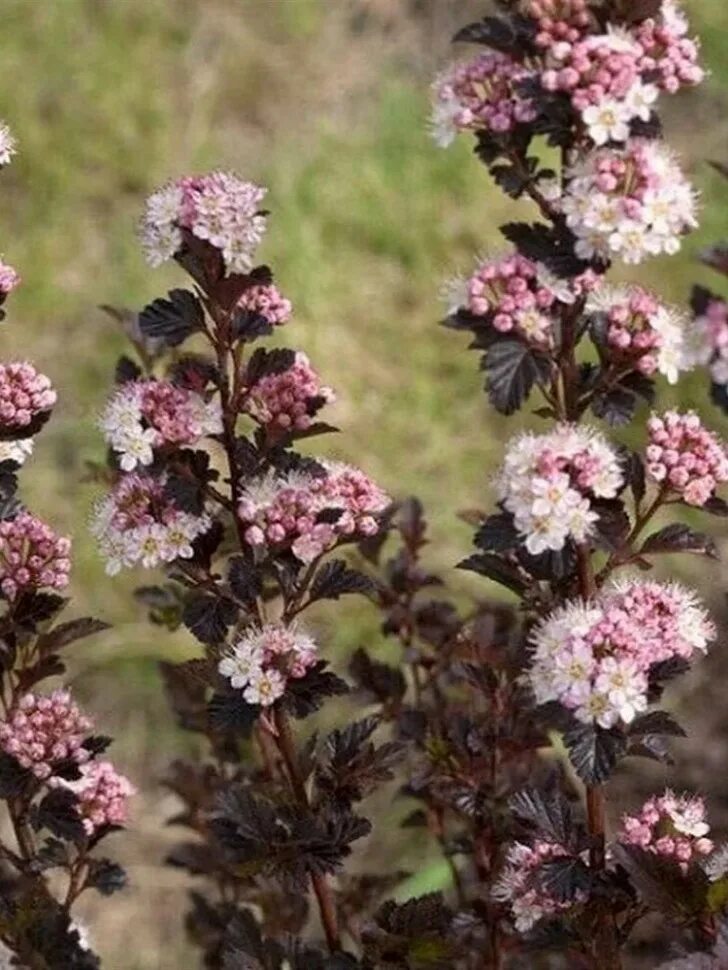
(289,399)
(139,522)
(290,510)
(266,300)
(548,483)
(32,556)
(594,658)
(219,208)
(262,661)
(480,94)
(644,334)
(41,731)
(25,394)
(518,884)
(628,203)
(102,795)
(148,414)
(671,826)
(612,74)
(520,296)
(684,458)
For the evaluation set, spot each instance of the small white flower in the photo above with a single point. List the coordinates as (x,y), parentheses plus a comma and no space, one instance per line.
(242,665)
(640,99)
(607,121)
(264,688)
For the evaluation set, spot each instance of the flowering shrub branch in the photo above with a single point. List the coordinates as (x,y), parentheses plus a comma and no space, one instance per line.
(61,799)
(204,480)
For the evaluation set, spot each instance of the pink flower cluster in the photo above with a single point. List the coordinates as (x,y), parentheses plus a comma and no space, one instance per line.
(218,208)
(712,328)
(102,795)
(548,481)
(287,511)
(480,94)
(144,415)
(518,296)
(32,556)
(628,203)
(559,21)
(667,51)
(267,301)
(684,457)
(24,394)
(288,400)
(644,333)
(595,70)
(264,659)
(41,731)
(9,279)
(671,826)
(595,658)
(616,77)
(518,884)
(138,522)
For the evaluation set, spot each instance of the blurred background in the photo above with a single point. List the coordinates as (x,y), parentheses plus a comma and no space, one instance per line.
(326,103)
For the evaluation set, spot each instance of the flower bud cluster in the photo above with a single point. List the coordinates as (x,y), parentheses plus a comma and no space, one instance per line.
(266,300)
(671,826)
(628,203)
(643,333)
(102,795)
(218,208)
(594,658)
(148,414)
(42,731)
(288,400)
(666,51)
(612,78)
(24,394)
(480,94)
(519,887)
(520,296)
(558,21)
(684,457)
(32,556)
(309,513)
(264,659)
(139,522)
(548,483)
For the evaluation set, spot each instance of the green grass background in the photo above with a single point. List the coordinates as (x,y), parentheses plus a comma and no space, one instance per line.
(325,102)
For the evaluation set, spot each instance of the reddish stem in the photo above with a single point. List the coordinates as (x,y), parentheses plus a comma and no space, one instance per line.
(324,896)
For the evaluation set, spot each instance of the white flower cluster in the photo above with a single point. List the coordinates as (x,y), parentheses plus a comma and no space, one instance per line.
(594,658)
(263,659)
(144,415)
(138,523)
(628,203)
(548,482)
(219,208)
